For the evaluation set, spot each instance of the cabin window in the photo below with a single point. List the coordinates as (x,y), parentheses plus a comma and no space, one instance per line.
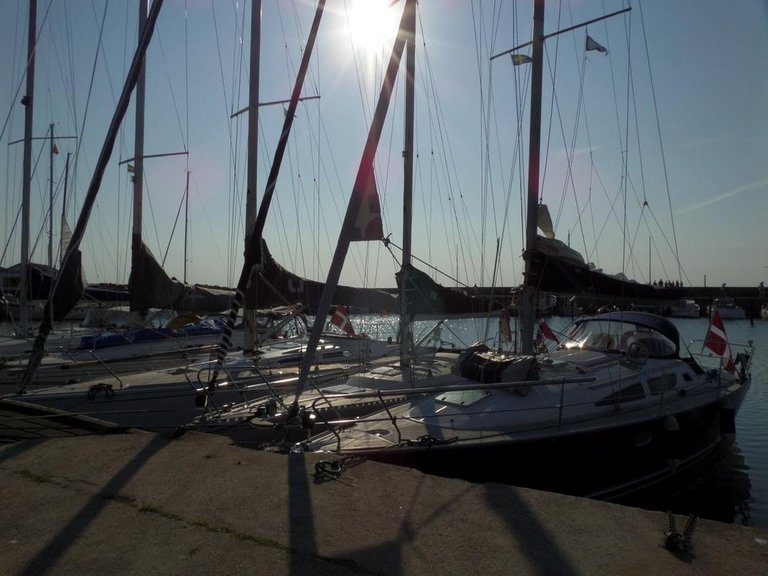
(627,394)
(662,383)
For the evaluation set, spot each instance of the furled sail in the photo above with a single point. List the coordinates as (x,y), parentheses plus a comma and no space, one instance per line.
(557,268)
(425,297)
(276,286)
(149,286)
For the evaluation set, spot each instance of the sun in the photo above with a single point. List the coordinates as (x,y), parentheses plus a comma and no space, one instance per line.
(373,24)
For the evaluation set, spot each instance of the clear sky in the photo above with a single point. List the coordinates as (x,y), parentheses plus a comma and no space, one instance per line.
(686,131)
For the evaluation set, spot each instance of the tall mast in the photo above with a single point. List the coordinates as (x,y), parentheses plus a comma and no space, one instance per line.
(52,152)
(409,29)
(360,192)
(249,314)
(28,102)
(72,255)
(63,246)
(527,303)
(252,257)
(138,170)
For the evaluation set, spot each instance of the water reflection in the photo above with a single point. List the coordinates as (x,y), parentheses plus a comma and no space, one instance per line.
(719,490)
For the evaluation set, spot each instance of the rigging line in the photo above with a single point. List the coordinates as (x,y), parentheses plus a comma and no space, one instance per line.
(661,140)
(99,47)
(626,147)
(186,76)
(479,70)
(123,148)
(552,74)
(170,87)
(447,160)
(487,187)
(569,153)
(356,64)
(10,236)
(228,124)
(26,67)
(614,92)
(458,282)
(173,228)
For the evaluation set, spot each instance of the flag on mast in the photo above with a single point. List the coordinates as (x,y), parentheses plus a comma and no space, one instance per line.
(592,45)
(519,59)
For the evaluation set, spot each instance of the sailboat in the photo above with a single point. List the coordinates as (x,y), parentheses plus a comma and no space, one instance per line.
(617,408)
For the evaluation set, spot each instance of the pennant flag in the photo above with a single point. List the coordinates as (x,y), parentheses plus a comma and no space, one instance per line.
(592,45)
(546,331)
(55,148)
(341,320)
(368,224)
(518,59)
(131,169)
(505,332)
(717,341)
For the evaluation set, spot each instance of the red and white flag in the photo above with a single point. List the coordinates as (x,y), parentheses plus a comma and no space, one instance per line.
(717,341)
(341,320)
(546,332)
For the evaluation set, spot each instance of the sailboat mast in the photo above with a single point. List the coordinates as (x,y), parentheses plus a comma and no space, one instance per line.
(50,203)
(28,102)
(138,169)
(409,29)
(363,181)
(527,301)
(63,247)
(72,255)
(249,313)
(253,249)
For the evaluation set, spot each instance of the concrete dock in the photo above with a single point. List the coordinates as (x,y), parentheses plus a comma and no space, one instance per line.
(141,503)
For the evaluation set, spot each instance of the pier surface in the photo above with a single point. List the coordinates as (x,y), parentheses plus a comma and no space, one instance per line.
(141,503)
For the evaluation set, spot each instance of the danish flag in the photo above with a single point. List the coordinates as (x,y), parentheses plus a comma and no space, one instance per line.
(718,342)
(341,320)
(546,332)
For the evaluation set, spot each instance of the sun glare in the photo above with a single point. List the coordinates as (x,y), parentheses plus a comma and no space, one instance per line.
(373,24)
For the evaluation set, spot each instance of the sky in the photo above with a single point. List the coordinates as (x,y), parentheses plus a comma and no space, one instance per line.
(653,154)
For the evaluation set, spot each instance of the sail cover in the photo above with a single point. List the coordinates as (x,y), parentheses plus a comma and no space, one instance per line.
(557,268)
(276,286)
(425,297)
(149,286)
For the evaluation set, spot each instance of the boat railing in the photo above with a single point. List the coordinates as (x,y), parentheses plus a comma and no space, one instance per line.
(741,354)
(262,383)
(563,412)
(381,396)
